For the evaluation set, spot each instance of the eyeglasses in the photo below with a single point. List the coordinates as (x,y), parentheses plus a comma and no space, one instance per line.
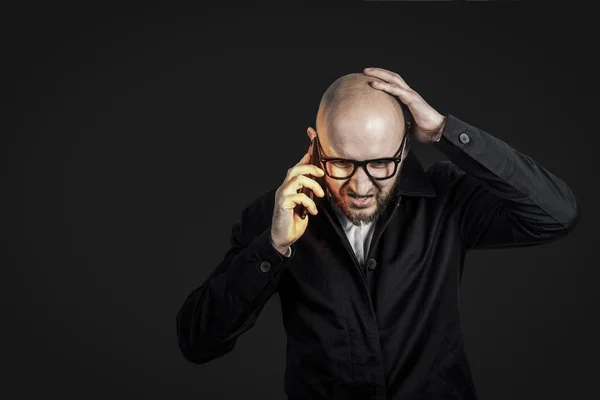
(376,168)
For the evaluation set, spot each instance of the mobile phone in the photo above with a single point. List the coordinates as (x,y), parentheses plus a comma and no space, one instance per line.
(314,157)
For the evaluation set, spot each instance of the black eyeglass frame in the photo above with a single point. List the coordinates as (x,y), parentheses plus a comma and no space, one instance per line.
(357,164)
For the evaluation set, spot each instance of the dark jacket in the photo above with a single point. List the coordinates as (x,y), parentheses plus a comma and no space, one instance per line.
(389,329)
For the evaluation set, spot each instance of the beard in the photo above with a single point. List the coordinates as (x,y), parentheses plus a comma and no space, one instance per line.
(382,201)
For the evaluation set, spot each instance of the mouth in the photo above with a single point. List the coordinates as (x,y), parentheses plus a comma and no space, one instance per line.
(361,202)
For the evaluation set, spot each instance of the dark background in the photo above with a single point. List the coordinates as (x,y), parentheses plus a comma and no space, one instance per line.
(141,134)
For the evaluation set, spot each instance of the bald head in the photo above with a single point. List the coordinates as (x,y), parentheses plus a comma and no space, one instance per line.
(352,112)
(358,122)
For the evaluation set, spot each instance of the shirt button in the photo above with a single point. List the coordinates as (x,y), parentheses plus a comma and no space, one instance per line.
(464,138)
(265,266)
(371,263)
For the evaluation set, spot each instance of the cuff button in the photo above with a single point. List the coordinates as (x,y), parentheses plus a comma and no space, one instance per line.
(265,266)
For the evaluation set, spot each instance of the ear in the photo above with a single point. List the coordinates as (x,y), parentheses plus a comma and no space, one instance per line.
(406,147)
(311,133)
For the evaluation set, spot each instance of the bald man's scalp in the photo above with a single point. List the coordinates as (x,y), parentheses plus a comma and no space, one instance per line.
(351,92)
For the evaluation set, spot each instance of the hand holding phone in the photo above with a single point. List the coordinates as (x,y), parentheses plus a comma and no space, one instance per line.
(300,209)
(294,199)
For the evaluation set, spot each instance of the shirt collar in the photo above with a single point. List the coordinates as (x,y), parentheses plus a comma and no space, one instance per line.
(413,178)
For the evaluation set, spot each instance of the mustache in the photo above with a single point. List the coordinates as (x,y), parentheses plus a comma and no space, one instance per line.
(353,194)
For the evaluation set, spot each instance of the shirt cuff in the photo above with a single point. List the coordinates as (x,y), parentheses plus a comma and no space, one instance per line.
(288,253)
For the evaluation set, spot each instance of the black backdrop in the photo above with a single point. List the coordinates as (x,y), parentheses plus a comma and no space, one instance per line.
(140,135)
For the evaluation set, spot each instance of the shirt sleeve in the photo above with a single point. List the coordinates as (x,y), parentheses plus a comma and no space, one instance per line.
(501,197)
(229,302)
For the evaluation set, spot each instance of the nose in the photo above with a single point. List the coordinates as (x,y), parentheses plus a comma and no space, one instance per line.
(360,183)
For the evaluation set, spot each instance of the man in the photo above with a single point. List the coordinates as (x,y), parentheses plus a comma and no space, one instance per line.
(369,279)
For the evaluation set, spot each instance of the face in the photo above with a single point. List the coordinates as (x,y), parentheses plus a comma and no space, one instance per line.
(362,134)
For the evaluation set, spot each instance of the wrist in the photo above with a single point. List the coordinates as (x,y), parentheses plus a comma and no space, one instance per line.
(288,252)
(438,135)
(283,250)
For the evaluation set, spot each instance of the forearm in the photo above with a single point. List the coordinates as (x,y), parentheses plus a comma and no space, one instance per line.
(538,204)
(229,301)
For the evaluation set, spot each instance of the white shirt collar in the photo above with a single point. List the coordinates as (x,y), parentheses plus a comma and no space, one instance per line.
(359,236)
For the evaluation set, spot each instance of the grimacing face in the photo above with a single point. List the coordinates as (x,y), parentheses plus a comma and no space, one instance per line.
(361,131)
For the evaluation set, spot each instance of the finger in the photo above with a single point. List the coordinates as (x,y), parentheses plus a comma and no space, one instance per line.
(290,202)
(304,169)
(407,96)
(388,76)
(302,181)
(305,159)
